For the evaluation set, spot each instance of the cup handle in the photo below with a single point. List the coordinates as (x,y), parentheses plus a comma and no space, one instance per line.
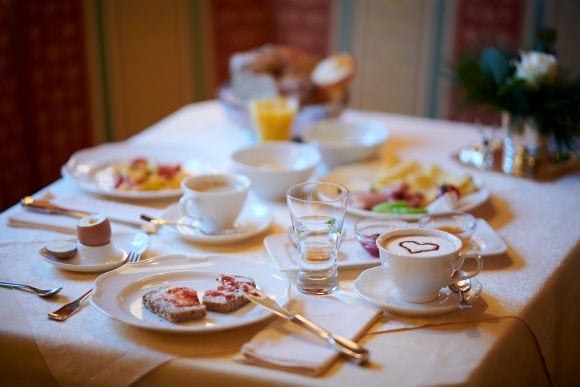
(183,206)
(470,274)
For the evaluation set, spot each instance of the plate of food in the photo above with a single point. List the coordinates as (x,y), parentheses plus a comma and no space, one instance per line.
(130,171)
(183,294)
(407,189)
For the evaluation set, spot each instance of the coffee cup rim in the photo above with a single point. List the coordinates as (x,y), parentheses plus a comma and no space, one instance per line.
(236,177)
(419,231)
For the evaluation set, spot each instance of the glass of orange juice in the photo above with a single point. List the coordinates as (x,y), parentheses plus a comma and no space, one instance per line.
(272,117)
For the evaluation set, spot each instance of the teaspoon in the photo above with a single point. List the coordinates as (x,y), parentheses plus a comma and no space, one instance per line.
(39,292)
(462,287)
(161,222)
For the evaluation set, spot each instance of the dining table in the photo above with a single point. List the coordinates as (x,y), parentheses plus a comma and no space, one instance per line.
(523,329)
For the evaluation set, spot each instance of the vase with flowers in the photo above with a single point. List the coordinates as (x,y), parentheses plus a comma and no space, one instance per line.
(540,106)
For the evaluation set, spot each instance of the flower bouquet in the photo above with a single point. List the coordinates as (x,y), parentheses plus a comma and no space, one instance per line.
(532,93)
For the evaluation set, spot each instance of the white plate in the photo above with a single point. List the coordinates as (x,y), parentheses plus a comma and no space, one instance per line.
(484,241)
(254,219)
(122,240)
(87,167)
(118,293)
(375,286)
(360,176)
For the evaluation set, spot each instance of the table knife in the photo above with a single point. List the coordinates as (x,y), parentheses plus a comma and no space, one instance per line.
(46,207)
(354,351)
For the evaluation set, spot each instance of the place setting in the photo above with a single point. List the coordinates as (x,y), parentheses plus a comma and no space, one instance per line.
(96,249)
(216,208)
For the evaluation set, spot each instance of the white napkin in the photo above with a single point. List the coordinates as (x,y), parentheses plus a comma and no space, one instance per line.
(287,346)
(444,203)
(115,211)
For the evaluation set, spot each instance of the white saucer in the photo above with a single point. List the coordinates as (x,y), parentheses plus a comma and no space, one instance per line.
(122,241)
(374,285)
(254,219)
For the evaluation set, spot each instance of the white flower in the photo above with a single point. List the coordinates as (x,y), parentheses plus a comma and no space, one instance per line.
(535,66)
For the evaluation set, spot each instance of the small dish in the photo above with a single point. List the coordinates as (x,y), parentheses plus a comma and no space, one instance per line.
(374,286)
(368,230)
(85,263)
(342,142)
(460,224)
(254,219)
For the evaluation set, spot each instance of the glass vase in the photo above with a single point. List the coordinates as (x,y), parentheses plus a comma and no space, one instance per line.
(526,150)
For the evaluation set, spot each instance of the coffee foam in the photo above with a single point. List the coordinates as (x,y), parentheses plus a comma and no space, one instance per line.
(419,245)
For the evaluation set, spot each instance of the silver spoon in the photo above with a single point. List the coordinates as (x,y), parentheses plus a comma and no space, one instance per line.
(38,292)
(462,287)
(161,222)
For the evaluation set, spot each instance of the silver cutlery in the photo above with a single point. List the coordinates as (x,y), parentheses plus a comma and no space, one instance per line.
(462,288)
(354,351)
(67,310)
(38,292)
(165,222)
(47,207)
(139,244)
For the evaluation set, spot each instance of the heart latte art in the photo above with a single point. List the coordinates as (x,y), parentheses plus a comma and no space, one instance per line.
(414,247)
(419,245)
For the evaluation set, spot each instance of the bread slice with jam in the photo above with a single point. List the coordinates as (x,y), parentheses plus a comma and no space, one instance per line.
(175,304)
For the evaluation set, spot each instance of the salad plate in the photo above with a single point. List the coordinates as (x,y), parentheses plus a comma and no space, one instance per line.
(254,219)
(359,177)
(118,293)
(375,286)
(95,169)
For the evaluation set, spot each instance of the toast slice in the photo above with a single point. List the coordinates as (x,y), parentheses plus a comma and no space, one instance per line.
(175,304)
(229,294)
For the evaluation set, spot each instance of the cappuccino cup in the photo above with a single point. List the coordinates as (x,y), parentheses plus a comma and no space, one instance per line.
(214,200)
(421,261)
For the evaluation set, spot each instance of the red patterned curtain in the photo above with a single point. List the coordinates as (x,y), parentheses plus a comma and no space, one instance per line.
(478,24)
(44,92)
(239,25)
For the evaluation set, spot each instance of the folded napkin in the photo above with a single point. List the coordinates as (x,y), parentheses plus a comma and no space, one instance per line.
(121,213)
(287,346)
(444,203)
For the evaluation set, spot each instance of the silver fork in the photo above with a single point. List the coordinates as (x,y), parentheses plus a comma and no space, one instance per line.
(72,307)
(133,257)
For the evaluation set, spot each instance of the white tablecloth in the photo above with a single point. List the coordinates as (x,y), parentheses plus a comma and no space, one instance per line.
(523,330)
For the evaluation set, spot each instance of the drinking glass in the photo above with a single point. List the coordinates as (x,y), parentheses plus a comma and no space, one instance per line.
(273,117)
(317,212)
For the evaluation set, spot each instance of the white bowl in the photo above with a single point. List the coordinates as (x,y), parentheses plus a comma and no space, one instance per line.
(343,142)
(274,166)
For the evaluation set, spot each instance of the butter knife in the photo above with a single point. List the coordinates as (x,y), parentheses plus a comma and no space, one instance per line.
(46,207)
(354,351)
(69,309)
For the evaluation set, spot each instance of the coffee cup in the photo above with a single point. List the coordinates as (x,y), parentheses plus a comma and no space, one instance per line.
(214,200)
(421,261)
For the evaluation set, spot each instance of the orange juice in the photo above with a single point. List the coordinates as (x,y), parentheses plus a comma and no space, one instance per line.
(273,117)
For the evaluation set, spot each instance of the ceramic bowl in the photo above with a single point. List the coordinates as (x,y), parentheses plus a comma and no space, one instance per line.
(275,165)
(343,142)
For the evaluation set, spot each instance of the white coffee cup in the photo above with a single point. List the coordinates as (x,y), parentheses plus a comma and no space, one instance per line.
(215,200)
(422,261)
